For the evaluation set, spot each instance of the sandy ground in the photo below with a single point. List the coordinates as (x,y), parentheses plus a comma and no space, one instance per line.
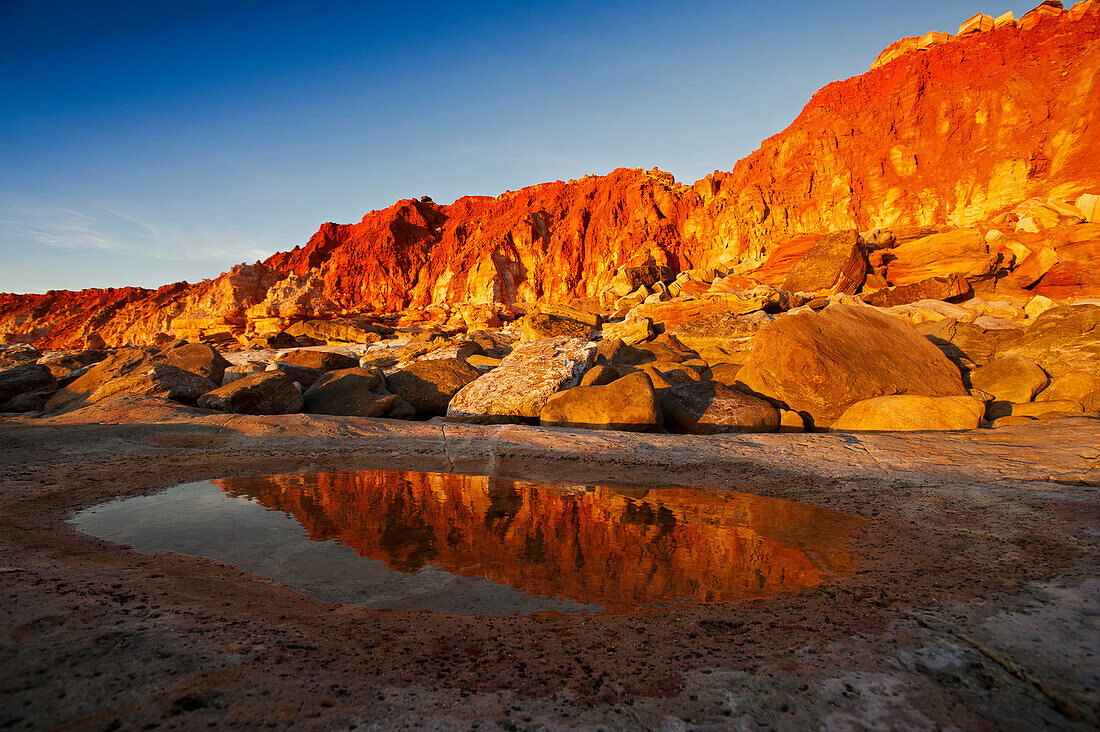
(975,604)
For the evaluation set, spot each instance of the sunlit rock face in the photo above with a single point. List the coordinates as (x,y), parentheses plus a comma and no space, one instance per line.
(623,549)
(945,131)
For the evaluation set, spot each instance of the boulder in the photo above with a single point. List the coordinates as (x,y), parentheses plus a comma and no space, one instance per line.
(1012,379)
(1038,305)
(962,252)
(708,408)
(933,288)
(628,404)
(320,360)
(726,373)
(539,325)
(122,362)
(599,375)
(430,385)
(29,401)
(979,23)
(198,358)
(1074,386)
(568,311)
(354,392)
(908,413)
(24,377)
(304,376)
(517,389)
(1060,340)
(836,262)
(820,363)
(241,370)
(159,380)
(483,363)
(966,344)
(997,410)
(630,331)
(1034,266)
(266,392)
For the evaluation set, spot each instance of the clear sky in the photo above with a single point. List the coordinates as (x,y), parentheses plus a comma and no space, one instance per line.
(147,142)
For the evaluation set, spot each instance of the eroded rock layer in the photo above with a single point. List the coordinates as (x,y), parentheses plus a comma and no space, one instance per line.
(950,133)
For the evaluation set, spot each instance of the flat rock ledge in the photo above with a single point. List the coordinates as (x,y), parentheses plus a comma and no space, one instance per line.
(974,605)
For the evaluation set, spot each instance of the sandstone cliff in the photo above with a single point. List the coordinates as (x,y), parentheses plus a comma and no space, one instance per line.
(944,130)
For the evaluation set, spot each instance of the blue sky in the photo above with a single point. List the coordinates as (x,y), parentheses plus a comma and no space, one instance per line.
(143,143)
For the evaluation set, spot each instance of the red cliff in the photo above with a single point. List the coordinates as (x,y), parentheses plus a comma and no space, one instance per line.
(944,130)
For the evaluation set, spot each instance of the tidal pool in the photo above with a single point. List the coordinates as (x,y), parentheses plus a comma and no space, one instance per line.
(475,545)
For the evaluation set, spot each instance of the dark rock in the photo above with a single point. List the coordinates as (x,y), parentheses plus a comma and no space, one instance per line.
(320,360)
(198,358)
(266,392)
(160,380)
(354,392)
(430,384)
(708,408)
(24,377)
(303,375)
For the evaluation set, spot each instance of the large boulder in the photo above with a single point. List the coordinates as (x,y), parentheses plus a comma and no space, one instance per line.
(909,413)
(430,385)
(836,262)
(160,380)
(1061,340)
(320,360)
(1074,386)
(354,392)
(266,392)
(1011,379)
(24,377)
(819,363)
(628,404)
(709,408)
(75,394)
(16,354)
(517,389)
(198,358)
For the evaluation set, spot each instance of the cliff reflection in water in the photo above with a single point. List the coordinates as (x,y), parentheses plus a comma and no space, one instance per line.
(623,549)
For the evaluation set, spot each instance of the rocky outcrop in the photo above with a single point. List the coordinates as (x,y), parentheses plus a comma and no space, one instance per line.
(946,131)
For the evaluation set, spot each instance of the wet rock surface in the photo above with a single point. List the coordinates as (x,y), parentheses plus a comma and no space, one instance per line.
(963,609)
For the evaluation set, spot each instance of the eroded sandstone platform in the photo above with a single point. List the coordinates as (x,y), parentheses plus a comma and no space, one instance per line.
(973,604)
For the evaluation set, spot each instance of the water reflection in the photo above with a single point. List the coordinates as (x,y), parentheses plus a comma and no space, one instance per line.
(578,548)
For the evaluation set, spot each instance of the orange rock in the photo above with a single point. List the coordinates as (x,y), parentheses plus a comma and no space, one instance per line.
(954,135)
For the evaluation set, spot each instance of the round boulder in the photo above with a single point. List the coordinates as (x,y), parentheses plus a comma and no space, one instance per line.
(912,413)
(1013,379)
(627,404)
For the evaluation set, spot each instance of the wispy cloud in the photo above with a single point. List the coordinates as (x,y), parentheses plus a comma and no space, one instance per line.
(106,229)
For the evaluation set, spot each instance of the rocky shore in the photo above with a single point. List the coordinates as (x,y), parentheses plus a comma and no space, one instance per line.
(972,604)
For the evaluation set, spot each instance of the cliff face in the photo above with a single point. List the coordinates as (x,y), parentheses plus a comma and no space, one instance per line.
(952,134)
(624,550)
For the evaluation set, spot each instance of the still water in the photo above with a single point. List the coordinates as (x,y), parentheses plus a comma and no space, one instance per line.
(474,545)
